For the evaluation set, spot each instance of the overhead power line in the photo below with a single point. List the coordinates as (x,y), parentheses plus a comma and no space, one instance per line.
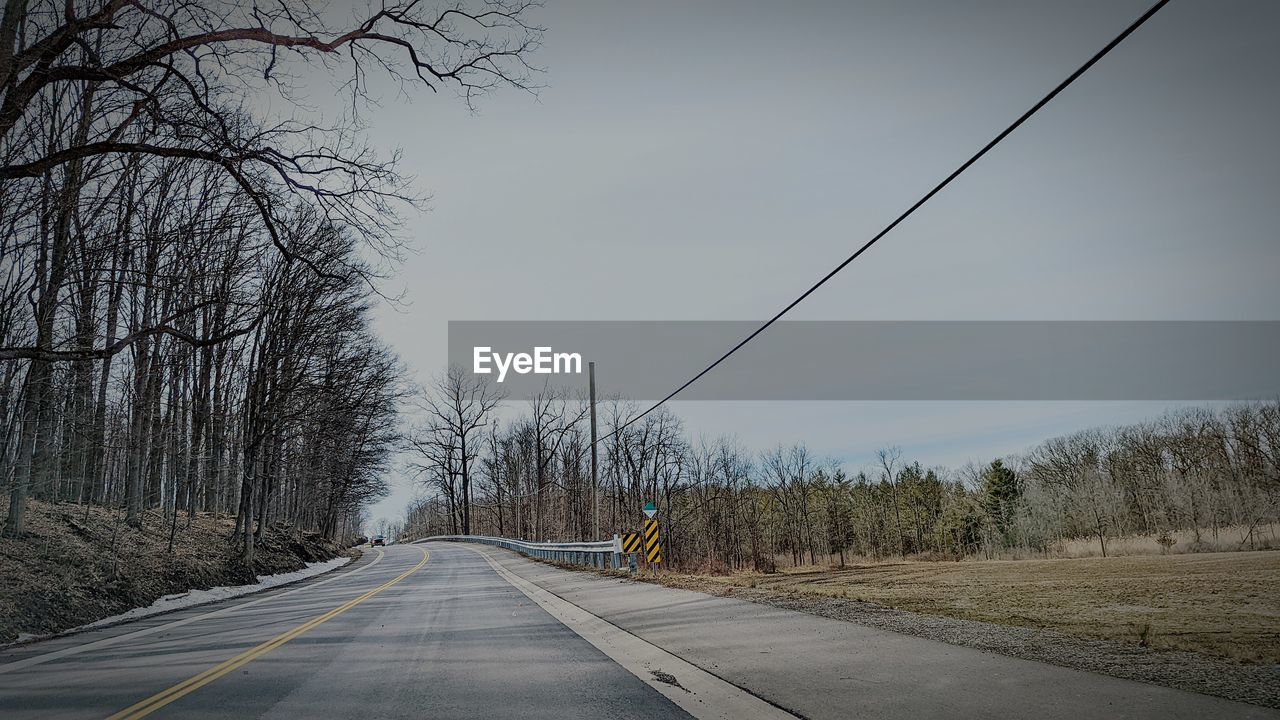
(916,206)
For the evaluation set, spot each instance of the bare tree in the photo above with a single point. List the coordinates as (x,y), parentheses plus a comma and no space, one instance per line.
(153,209)
(888,459)
(461,405)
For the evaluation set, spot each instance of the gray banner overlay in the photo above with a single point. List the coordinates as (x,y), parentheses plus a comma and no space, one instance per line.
(886,360)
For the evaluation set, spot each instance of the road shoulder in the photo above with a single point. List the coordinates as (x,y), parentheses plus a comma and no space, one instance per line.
(38,651)
(700,693)
(824,667)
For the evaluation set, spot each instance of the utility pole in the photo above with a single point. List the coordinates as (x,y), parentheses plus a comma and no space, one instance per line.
(595,480)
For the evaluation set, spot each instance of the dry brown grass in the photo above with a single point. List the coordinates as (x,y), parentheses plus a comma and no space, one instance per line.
(1227,539)
(1223,604)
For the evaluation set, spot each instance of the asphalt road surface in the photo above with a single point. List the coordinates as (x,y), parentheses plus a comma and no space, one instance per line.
(444,638)
(442,630)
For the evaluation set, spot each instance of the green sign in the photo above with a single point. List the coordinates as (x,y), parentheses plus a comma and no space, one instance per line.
(650,509)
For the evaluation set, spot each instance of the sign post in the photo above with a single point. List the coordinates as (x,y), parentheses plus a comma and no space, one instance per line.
(595,480)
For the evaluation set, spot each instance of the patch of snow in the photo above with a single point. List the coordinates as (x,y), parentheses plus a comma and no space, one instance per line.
(190,598)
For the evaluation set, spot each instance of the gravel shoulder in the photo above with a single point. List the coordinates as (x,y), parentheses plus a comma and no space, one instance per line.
(1225,604)
(1255,683)
(829,661)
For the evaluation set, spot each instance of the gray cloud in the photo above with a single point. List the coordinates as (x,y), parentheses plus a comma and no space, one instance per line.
(709,160)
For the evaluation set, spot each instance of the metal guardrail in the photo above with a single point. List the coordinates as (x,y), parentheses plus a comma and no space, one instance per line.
(605,554)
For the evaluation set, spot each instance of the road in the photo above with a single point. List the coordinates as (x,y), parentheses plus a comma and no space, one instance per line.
(449,639)
(442,630)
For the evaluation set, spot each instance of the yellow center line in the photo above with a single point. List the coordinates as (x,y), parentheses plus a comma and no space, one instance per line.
(163,698)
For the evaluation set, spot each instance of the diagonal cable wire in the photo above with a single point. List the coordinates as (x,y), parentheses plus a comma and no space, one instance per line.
(927,196)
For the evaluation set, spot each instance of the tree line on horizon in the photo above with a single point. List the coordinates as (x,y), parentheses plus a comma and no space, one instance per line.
(1209,473)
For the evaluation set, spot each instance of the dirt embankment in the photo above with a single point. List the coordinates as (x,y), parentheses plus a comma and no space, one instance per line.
(75,566)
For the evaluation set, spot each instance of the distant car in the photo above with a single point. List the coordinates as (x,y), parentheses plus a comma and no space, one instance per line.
(378,540)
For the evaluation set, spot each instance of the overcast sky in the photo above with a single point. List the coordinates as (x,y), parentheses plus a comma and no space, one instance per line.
(710,160)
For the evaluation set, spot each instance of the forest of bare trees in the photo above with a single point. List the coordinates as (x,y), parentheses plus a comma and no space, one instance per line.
(187,276)
(1209,474)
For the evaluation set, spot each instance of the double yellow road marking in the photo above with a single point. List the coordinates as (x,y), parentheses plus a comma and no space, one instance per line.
(161,699)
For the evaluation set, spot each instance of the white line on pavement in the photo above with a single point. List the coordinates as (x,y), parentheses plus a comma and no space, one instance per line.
(698,693)
(105,642)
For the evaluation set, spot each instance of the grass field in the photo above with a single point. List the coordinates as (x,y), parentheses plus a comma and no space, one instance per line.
(1224,604)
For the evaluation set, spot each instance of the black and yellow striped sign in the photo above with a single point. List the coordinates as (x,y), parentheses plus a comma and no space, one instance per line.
(631,543)
(652,543)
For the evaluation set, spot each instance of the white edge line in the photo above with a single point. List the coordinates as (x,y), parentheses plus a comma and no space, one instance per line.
(107,641)
(699,693)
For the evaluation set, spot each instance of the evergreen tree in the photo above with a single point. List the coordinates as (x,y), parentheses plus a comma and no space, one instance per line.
(1001,490)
